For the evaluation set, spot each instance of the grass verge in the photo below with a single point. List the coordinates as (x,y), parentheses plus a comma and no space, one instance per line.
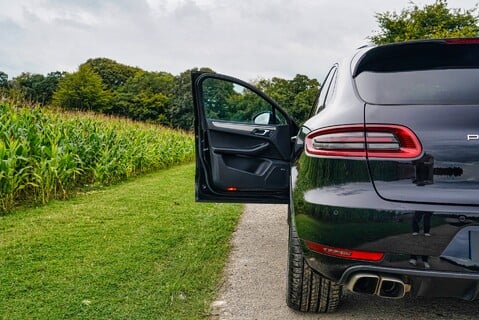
(139,250)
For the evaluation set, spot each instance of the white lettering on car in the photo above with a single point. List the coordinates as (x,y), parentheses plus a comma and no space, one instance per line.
(472,137)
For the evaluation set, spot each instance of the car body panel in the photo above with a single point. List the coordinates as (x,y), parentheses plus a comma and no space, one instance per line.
(366,221)
(448,170)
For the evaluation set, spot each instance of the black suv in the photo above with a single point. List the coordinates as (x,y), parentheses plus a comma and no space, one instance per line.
(382,181)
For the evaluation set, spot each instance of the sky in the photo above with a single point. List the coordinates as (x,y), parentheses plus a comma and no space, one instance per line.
(248,39)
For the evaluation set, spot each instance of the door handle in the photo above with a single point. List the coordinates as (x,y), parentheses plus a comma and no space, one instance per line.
(254,150)
(261,132)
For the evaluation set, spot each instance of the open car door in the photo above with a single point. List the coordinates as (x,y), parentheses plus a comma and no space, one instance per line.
(243,142)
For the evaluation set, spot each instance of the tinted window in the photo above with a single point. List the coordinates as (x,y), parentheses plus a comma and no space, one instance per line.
(320,102)
(331,90)
(439,86)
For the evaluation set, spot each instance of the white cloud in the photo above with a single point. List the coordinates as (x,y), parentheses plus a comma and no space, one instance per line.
(247,38)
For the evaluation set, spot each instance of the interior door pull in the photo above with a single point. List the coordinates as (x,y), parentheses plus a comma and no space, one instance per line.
(261,132)
(258,149)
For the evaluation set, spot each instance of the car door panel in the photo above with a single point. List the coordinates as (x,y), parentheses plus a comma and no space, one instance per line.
(240,161)
(246,161)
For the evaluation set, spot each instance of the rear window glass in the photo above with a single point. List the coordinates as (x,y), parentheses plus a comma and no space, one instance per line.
(438,86)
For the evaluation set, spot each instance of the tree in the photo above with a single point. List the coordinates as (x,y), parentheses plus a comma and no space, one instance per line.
(180,113)
(112,73)
(296,96)
(25,85)
(82,90)
(49,85)
(243,105)
(432,21)
(36,87)
(146,96)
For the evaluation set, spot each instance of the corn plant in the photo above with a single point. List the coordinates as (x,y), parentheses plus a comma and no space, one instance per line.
(47,154)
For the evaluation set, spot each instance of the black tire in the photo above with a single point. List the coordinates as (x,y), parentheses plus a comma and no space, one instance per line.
(307,290)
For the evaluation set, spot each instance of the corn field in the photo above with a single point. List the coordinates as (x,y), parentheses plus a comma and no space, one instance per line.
(47,154)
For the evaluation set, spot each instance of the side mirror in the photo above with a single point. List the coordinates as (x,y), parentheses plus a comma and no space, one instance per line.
(263,117)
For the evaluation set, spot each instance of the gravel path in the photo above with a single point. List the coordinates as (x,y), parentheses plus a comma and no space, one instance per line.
(255,281)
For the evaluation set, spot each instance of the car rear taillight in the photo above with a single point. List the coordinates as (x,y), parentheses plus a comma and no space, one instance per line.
(372,140)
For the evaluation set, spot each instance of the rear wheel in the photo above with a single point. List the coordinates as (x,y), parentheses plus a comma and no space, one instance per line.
(307,290)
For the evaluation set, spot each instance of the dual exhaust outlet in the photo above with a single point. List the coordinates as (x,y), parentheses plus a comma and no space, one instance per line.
(382,286)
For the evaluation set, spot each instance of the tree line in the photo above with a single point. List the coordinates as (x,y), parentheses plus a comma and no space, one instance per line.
(107,86)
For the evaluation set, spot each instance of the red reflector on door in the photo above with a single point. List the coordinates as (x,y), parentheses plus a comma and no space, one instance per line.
(344,253)
(232,189)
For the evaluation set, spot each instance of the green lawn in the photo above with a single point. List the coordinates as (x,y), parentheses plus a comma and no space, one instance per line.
(138,250)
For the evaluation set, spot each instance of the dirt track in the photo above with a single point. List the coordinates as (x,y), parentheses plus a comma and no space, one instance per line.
(255,281)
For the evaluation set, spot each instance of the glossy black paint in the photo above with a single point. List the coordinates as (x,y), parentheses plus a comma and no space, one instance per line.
(377,205)
(448,171)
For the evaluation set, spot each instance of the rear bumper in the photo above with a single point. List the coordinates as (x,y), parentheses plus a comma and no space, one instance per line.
(451,243)
(449,270)
(363,221)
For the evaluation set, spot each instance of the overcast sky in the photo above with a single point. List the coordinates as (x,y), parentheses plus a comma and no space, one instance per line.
(244,38)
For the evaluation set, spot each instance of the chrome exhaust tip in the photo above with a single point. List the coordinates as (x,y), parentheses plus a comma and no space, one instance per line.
(392,288)
(382,286)
(365,283)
